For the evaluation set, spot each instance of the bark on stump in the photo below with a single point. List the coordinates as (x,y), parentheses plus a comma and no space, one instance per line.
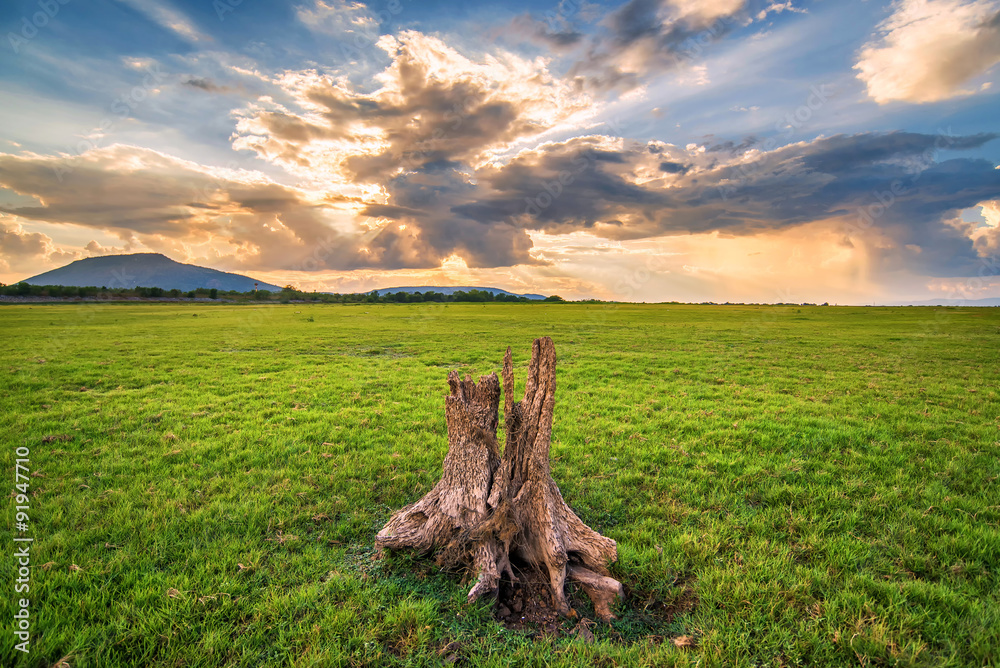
(489,508)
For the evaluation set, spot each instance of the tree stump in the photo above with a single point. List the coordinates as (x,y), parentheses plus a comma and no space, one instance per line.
(489,508)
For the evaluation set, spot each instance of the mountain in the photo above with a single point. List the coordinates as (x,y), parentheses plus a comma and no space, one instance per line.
(452,289)
(148,270)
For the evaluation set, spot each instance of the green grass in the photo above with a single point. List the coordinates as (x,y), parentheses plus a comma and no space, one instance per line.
(787,485)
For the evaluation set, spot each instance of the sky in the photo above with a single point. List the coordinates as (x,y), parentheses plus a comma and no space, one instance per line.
(652,150)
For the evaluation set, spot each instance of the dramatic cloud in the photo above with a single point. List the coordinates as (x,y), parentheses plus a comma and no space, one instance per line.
(882,187)
(928,49)
(358,158)
(242,220)
(882,190)
(238,218)
(434,106)
(407,150)
(26,252)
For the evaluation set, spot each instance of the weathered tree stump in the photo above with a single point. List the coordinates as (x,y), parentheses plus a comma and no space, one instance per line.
(489,508)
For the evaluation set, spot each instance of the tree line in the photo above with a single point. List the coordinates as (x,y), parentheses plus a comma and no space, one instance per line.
(287,294)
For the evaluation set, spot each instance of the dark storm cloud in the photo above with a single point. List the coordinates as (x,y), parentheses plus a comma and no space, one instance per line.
(577,185)
(428,202)
(844,152)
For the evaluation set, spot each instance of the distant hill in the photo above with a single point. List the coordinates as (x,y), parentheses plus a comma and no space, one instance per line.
(148,270)
(950,302)
(452,289)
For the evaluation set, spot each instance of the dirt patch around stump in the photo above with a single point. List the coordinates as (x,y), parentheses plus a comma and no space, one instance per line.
(526,606)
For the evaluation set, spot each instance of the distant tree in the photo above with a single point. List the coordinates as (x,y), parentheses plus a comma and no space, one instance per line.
(554,298)
(213,293)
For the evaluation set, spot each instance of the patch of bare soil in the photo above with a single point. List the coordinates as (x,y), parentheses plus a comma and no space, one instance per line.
(526,606)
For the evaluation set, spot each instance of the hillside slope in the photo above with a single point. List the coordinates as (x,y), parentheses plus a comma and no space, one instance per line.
(150,270)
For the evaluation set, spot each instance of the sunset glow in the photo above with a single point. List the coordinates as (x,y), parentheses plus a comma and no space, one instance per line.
(654,150)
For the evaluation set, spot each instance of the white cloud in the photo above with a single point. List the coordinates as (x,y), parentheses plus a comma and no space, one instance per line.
(991,212)
(778,7)
(338,17)
(928,49)
(707,10)
(162,13)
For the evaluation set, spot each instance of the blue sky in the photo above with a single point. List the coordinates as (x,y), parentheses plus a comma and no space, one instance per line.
(648,150)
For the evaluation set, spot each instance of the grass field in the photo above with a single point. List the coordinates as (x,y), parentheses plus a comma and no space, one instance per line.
(787,485)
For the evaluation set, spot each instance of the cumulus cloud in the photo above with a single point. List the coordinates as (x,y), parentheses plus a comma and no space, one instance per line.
(434,106)
(991,213)
(28,252)
(987,236)
(407,151)
(95,249)
(928,50)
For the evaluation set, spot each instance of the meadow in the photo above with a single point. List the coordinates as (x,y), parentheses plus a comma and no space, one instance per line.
(787,485)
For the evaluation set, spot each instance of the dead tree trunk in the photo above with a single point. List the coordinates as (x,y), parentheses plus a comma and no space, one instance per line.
(489,508)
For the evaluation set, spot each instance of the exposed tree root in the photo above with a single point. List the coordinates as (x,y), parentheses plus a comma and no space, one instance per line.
(488,508)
